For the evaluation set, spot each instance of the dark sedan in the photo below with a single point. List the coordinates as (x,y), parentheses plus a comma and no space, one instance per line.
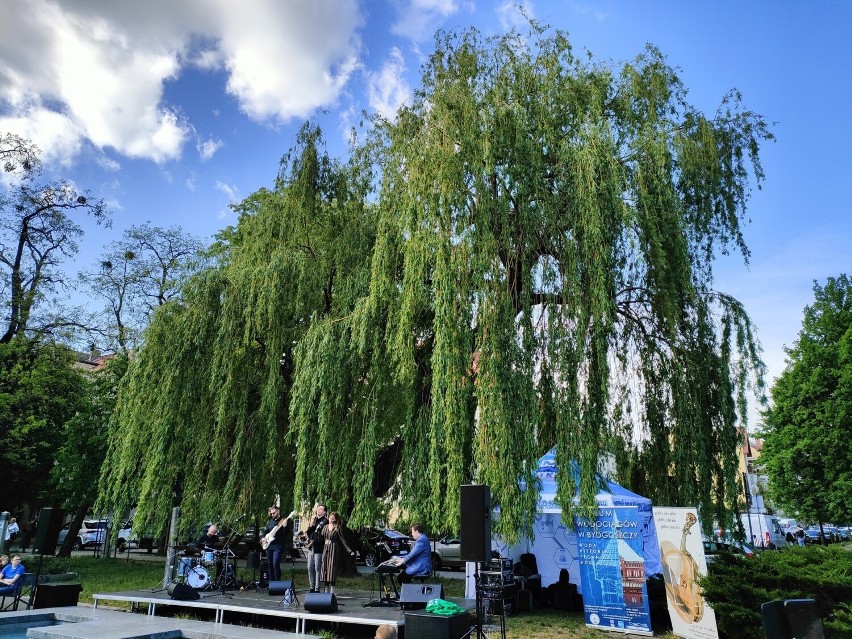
(376,545)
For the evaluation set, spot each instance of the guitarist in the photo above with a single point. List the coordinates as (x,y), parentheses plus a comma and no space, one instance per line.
(281,539)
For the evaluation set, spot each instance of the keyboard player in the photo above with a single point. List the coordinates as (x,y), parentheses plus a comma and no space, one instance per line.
(418,562)
(387,578)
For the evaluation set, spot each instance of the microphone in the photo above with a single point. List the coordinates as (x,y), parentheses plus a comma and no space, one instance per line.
(240,517)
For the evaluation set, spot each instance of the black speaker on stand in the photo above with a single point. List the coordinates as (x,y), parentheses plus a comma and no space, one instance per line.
(253,564)
(475,540)
(47,532)
(475,533)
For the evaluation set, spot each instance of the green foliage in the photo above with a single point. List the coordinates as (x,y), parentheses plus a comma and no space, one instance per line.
(736,588)
(539,213)
(521,259)
(202,417)
(807,451)
(77,462)
(39,393)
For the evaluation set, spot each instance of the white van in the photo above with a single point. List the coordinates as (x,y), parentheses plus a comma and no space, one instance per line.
(764,531)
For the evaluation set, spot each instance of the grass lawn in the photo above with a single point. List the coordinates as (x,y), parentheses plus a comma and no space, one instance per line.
(112,575)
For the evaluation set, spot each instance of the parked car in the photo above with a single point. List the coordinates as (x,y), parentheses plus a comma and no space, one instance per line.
(813,536)
(127,538)
(446,553)
(714,547)
(91,533)
(376,545)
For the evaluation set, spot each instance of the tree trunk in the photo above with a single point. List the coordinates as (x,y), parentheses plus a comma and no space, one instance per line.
(71,537)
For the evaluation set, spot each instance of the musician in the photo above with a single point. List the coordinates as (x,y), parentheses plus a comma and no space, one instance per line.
(281,539)
(418,562)
(332,536)
(208,539)
(316,544)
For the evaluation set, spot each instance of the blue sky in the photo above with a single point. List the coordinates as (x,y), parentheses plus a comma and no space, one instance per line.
(172,110)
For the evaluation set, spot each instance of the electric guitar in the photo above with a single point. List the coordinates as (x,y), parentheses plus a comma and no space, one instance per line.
(269,537)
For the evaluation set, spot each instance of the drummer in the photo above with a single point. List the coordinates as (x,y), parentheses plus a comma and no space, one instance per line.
(208,539)
(208,543)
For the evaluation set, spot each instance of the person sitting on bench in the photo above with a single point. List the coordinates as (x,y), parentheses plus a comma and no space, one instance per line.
(418,562)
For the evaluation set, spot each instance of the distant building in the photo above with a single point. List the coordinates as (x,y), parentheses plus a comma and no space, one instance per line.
(92,361)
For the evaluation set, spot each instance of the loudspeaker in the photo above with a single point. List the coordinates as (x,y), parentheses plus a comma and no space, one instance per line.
(182,592)
(774,623)
(791,619)
(47,533)
(320,602)
(475,532)
(425,625)
(803,618)
(416,596)
(280,587)
(253,560)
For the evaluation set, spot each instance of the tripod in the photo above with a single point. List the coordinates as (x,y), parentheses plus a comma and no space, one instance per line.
(290,595)
(253,562)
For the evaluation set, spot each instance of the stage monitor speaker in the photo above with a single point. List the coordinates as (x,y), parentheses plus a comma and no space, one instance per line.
(475,533)
(182,592)
(280,588)
(320,602)
(416,596)
(47,532)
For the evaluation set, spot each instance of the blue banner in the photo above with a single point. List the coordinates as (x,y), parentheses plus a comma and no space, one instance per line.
(612,570)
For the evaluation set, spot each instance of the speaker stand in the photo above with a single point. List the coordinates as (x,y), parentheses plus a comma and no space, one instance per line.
(291,592)
(255,584)
(476,631)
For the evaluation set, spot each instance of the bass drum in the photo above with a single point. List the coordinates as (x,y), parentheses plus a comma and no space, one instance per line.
(198,577)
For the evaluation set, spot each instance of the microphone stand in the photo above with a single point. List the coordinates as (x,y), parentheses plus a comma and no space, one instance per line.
(223,577)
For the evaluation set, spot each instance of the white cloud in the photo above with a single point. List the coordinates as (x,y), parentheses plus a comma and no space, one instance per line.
(100,68)
(57,136)
(515,14)
(229,190)
(418,19)
(387,88)
(190,182)
(585,9)
(207,148)
(108,164)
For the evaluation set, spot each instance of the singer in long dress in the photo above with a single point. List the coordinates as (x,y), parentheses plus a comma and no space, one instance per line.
(332,554)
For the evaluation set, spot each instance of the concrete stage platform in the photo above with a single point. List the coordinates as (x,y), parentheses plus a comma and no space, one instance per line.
(353,608)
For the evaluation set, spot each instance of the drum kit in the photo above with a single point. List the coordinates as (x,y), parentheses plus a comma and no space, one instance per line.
(197,567)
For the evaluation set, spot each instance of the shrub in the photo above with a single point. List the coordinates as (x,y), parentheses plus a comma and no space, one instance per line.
(736,587)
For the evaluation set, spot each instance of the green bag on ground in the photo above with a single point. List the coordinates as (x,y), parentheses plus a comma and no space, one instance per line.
(443,607)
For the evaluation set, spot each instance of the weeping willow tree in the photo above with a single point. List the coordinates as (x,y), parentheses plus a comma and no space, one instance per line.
(543,276)
(202,416)
(521,259)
